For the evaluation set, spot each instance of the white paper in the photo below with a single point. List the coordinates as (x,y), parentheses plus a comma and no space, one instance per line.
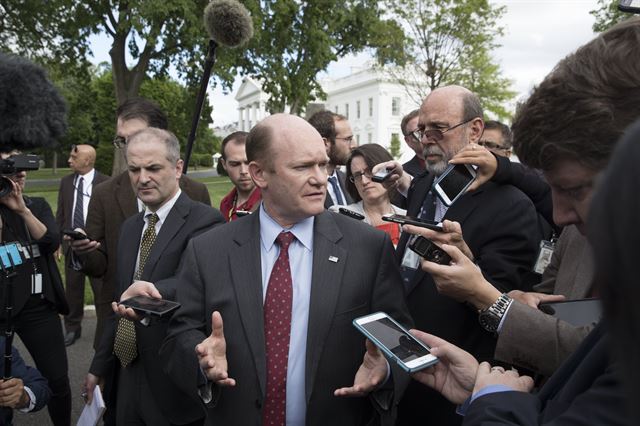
(92,413)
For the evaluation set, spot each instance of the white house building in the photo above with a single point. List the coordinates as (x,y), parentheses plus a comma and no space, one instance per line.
(369,98)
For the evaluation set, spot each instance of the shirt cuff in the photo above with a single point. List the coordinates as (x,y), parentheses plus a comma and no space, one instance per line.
(462,409)
(503,318)
(32,401)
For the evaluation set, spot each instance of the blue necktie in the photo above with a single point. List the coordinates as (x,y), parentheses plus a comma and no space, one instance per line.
(336,190)
(78,212)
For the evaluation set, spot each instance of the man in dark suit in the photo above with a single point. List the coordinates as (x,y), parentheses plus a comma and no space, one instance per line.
(321,270)
(408,125)
(500,230)
(26,390)
(114,201)
(338,140)
(73,202)
(144,393)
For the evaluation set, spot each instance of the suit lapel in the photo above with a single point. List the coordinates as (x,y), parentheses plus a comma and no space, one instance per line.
(174,221)
(326,282)
(246,276)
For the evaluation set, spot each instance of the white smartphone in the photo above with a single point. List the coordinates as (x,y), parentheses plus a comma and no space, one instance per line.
(453,182)
(395,341)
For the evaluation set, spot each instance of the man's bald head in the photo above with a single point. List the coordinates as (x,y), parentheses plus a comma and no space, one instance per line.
(462,101)
(274,129)
(82,158)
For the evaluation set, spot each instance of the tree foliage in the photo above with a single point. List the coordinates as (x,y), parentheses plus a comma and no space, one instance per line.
(394,146)
(294,41)
(607,15)
(451,42)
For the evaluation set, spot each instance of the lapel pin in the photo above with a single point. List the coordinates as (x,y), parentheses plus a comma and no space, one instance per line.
(333,259)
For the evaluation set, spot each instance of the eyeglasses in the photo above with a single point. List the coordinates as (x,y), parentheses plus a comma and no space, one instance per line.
(348,138)
(357,176)
(436,135)
(120,142)
(491,145)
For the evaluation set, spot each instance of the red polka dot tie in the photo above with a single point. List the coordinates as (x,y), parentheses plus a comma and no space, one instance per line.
(277,328)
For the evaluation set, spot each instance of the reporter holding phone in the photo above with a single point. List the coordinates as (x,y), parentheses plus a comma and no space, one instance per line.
(372,198)
(38,294)
(497,220)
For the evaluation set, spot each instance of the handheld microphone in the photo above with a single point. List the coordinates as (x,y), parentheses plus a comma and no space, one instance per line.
(32,112)
(228,24)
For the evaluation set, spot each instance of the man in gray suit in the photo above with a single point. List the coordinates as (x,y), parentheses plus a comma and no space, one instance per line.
(149,249)
(321,270)
(114,201)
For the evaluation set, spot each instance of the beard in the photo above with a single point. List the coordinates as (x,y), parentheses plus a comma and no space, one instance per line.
(435,167)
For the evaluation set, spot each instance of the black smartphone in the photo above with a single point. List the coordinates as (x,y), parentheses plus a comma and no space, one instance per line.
(241,213)
(151,306)
(429,250)
(381,176)
(355,215)
(395,341)
(578,312)
(631,6)
(75,235)
(453,182)
(408,220)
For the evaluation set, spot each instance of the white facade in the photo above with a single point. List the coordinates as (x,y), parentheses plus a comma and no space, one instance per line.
(372,102)
(251,104)
(374,105)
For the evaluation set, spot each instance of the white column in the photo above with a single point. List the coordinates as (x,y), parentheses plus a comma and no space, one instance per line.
(240,118)
(248,118)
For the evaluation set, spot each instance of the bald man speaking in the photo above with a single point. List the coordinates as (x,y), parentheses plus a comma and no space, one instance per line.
(73,202)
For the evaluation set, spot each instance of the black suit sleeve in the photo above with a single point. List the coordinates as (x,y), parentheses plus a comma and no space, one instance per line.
(600,404)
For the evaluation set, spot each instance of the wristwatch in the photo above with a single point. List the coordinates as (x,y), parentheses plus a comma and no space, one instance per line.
(490,318)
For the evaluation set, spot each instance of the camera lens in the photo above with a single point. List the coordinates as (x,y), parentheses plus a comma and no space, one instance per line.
(6,186)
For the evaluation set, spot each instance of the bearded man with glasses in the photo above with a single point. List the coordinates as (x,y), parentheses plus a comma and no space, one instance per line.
(500,231)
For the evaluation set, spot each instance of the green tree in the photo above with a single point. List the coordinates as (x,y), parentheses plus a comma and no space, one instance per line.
(607,15)
(394,146)
(450,42)
(294,41)
(157,35)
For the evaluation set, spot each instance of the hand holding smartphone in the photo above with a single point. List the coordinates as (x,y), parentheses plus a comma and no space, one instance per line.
(395,341)
(75,235)
(381,175)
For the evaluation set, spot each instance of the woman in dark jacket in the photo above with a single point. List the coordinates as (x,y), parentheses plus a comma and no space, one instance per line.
(37,291)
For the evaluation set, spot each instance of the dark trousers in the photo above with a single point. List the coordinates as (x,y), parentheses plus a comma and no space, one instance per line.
(74,292)
(135,403)
(40,329)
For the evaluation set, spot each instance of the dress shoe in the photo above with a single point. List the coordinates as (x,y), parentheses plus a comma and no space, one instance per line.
(71,337)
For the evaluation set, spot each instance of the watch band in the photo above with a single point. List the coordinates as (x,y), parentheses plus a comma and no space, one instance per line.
(490,317)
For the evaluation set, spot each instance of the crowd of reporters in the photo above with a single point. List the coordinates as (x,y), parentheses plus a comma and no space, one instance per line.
(559,225)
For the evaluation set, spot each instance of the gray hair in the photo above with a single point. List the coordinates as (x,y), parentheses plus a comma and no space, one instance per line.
(169,139)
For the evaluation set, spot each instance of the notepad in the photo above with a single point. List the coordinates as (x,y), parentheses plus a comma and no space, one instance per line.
(92,413)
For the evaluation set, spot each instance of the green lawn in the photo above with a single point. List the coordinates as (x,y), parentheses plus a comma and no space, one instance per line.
(218,187)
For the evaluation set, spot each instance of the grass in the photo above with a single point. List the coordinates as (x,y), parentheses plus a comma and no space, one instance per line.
(218,187)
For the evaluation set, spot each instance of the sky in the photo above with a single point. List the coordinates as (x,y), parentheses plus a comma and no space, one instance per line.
(537,35)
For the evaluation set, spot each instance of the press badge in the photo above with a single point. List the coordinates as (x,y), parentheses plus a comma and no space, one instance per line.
(36,283)
(544,255)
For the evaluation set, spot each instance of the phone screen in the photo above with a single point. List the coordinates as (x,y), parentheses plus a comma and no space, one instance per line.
(150,305)
(400,343)
(455,181)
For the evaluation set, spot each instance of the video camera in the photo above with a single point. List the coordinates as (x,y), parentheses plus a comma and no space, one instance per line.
(15,164)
